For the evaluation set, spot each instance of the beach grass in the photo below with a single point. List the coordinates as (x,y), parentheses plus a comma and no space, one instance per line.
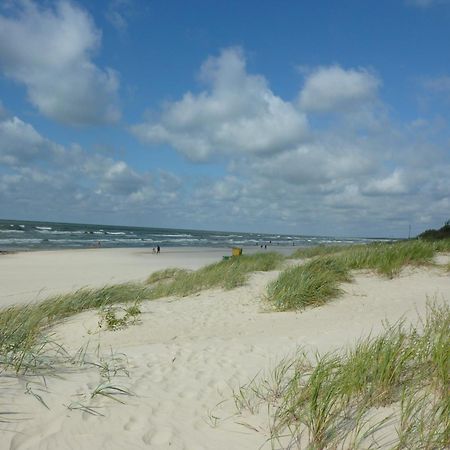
(165,275)
(23,340)
(317,281)
(25,347)
(226,274)
(393,387)
(388,259)
(313,283)
(318,250)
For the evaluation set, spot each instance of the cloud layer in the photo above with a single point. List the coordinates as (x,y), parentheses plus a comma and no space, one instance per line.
(288,167)
(39,176)
(50,51)
(237,114)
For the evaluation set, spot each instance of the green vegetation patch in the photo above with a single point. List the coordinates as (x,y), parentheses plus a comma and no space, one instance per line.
(333,401)
(388,258)
(318,250)
(318,280)
(165,275)
(22,327)
(226,274)
(441,233)
(311,284)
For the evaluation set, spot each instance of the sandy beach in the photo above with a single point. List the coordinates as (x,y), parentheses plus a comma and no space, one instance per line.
(185,356)
(32,276)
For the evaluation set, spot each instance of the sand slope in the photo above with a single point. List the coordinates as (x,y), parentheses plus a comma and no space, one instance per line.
(187,354)
(34,276)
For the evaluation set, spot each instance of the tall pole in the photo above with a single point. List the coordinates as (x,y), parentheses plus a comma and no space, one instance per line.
(409,231)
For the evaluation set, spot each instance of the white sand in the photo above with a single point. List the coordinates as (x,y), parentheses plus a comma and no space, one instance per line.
(30,276)
(187,354)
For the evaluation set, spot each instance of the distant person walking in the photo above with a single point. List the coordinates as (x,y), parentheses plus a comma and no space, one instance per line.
(158,249)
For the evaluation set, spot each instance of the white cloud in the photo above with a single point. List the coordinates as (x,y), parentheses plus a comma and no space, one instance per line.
(328,159)
(50,51)
(120,179)
(20,142)
(395,183)
(238,114)
(332,89)
(358,172)
(42,177)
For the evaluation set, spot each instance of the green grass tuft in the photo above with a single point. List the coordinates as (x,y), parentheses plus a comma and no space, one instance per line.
(332,402)
(318,250)
(388,259)
(165,275)
(226,274)
(311,284)
(22,327)
(317,281)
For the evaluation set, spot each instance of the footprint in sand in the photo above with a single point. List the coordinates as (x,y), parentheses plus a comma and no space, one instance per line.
(134,423)
(160,437)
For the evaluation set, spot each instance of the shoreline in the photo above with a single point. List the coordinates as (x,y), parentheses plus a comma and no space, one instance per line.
(36,275)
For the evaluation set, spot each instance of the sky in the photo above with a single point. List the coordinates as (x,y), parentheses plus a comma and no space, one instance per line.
(310,117)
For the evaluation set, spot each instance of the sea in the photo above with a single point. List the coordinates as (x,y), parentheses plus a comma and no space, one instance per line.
(30,235)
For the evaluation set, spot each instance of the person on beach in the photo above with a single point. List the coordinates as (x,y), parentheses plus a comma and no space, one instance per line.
(158,249)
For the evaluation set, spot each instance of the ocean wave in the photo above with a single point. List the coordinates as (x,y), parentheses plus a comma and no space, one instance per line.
(19,241)
(12,231)
(43,228)
(91,241)
(187,240)
(174,235)
(59,232)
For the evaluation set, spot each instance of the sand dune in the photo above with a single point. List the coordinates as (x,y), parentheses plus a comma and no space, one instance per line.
(185,357)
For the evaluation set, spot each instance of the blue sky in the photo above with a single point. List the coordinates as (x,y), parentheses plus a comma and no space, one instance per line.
(313,117)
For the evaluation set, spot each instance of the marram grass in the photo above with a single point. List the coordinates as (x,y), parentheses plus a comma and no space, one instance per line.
(318,250)
(311,284)
(318,280)
(389,391)
(226,274)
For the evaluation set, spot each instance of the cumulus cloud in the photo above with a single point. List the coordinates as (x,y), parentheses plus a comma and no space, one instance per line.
(237,114)
(357,172)
(20,143)
(50,51)
(394,183)
(332,89)
(50,180)
(120,179)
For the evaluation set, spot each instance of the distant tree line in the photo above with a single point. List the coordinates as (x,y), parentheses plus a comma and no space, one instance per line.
(442,233)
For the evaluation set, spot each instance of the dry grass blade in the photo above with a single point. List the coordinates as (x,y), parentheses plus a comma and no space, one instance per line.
(110,391)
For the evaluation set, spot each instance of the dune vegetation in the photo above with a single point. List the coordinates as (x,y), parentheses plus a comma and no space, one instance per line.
(318,280)
(389,391)
(226,274)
